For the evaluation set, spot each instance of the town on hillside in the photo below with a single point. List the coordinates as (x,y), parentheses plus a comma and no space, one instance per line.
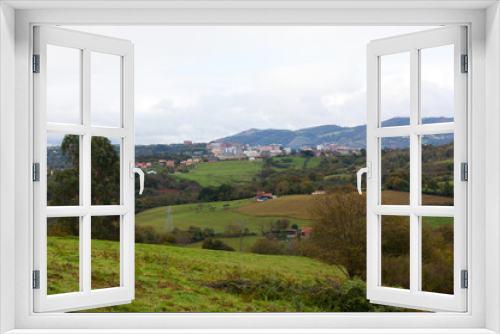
(221,151)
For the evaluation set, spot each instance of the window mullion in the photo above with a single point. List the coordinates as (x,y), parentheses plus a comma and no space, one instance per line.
(85,160)
(414,172)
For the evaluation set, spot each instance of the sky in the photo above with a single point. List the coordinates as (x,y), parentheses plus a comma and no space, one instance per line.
(202,83)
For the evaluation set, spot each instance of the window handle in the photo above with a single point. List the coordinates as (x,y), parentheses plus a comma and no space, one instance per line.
(141,176)
(368,171)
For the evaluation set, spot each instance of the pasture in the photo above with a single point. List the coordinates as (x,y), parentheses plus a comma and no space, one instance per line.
(391,197)
(295,163)
(292,206)
(215,215)
(214,174)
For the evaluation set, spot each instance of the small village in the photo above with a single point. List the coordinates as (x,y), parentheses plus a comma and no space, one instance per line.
(237,151)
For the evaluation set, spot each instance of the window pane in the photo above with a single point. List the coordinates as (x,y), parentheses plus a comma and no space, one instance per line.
(437,84)
(395,89)
(105,90)
(396,251)
(437,170)
(105,252)
(63,169)
(105,171)
(63,256)
(437,254)
(395,170)
(63,85)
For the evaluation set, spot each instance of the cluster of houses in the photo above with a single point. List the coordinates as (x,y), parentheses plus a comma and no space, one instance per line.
(305,232)
(225,151)
(239,151)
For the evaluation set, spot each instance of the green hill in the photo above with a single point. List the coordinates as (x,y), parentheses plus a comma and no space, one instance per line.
(283,163)
(214,215)
(178,279)
(215,174)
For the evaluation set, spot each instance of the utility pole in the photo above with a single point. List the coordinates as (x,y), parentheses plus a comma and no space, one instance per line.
(241,223)
(169,224)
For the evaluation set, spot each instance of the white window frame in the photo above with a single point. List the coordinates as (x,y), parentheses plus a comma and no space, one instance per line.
(123,50)
(413,44)
(483,101)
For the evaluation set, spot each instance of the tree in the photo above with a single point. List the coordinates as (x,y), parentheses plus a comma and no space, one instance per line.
(105,182)
(339,231)
(307,187)
(283,188)
(307,153)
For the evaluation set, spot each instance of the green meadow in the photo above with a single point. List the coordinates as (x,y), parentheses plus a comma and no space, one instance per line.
(217,173)
(295,163)
(217,215)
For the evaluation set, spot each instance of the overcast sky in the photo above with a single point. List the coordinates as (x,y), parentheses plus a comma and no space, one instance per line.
(203,83)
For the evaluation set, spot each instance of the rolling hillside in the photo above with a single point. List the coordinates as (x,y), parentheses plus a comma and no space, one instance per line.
(178,279)
(218,215)
(216,174)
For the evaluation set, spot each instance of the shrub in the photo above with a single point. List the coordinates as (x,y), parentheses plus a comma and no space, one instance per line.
(216,244)
(145,235)
(167,238)
(330,295)
(268,247)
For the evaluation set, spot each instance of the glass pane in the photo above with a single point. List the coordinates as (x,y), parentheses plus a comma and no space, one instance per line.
(63,84)
(395,170)
(105,252)
(63,169)
(63,255)
(105,90)
(395,89)
(437,254)
(105,171)
(437,84)
(437,170)
(396,251)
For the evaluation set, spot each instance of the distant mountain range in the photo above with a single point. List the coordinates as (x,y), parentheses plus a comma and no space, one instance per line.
(354,137)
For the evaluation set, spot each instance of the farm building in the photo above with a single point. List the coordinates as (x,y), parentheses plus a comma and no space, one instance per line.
(263,196)
(306,232)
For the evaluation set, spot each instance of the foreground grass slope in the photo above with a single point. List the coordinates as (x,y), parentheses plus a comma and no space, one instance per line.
(215,174)
(177,279)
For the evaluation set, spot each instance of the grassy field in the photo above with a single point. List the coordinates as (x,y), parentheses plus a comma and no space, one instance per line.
(178,279)
(233,242)
(296,163)
(216,173)
(293,206)
(390,197)
(215,215)
(436,221)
